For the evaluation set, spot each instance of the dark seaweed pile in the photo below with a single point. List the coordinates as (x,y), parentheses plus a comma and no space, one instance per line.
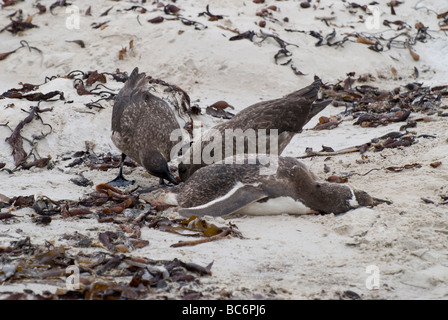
(102,275)
(370,106)
(110,271)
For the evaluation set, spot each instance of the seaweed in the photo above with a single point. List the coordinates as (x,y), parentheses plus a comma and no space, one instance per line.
(157,19)
(19,25)
(15,140)
(283,52)
(78,42)
(192,227)
(327,123)
(59,3)
(105,13)
(100,275)
(211,16)
(217,110)
(171,9)
(94,76)
(374,120)
(35,96)
(23,44)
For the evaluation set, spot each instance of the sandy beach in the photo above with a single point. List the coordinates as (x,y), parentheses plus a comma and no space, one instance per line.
(394,250)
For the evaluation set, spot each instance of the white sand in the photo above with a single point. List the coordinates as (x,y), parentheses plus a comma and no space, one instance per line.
(283,257)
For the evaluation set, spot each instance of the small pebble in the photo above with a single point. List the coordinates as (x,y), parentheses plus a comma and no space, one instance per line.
(305,4)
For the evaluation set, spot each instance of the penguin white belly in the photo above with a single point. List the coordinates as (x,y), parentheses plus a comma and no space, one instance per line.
(353,203)
(280,205)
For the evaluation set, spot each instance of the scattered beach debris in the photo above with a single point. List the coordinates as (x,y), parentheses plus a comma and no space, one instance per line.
(19,25)
(435,164)
(78,42)
(16,140)
(412,97)
(102,275)
(337,179)
(327,123)
(374,120)
(192,227)
(406,166)
(211,16)
(108,205)
(282,53)
(217,110)
(59,3)
(23,44)
(157,19)
(40,263)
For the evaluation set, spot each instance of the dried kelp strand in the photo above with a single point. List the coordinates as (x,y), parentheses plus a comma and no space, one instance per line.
(78,42)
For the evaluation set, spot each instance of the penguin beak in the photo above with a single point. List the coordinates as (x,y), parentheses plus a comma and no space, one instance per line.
(171,178)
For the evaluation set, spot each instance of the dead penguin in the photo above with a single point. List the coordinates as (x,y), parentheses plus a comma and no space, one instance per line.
(141,128)
(222,189)
(288,115)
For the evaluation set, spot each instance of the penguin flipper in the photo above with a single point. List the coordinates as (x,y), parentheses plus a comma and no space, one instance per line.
(230,203)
